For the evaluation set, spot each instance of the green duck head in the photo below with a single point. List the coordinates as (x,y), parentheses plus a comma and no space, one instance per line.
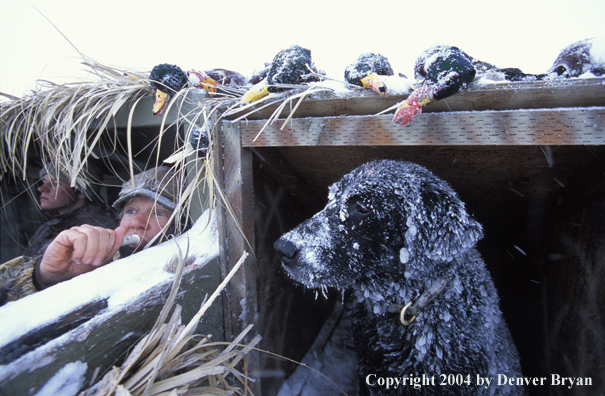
(366,72)
(290,66)
(446,67)
(166,80)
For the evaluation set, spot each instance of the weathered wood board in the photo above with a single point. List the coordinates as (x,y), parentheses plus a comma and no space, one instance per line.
(105,340)
(570,126)
(104,329)
(478,97)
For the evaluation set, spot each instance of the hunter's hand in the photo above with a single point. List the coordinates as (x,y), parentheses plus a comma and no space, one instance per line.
(77,251)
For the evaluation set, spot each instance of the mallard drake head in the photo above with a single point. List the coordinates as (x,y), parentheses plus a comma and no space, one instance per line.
(447,68)
(290,66)
(413,105)
(202,80)
(443,71)
(366,72)
(259,91)
(166,80)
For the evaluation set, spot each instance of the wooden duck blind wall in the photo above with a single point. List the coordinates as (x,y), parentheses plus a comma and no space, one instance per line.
(503,96)
(527,113)
(527,158)
(578,126)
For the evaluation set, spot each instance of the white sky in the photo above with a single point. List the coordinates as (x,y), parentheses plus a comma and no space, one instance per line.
(242,34)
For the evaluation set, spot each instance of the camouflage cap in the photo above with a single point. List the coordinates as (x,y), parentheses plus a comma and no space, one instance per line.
(159,184)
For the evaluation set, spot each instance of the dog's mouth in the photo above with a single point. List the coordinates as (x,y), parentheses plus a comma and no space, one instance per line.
(311,281)
(308,279)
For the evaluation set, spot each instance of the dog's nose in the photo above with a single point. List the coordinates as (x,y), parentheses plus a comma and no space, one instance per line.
(286,250)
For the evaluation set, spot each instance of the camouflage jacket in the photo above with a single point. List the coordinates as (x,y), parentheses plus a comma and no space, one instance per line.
(90,214)
(17,278)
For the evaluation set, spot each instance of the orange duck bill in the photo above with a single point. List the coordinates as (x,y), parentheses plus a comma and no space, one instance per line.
(161,100)
(255,93)
(375,83)
(202,80)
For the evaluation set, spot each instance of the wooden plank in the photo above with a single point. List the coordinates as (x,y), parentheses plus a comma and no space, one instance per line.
(104,340)
(32,340)
(497,96)
(236,235)
(525,95)
(566,126)
(238,226)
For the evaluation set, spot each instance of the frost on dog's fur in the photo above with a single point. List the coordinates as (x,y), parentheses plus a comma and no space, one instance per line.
(389,231)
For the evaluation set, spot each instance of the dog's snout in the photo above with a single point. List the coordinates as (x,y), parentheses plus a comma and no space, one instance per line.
(286,250)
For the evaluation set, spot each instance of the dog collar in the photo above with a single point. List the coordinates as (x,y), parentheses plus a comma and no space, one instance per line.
(414,309)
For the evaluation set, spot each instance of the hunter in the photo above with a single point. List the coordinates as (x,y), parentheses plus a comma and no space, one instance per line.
(145,211)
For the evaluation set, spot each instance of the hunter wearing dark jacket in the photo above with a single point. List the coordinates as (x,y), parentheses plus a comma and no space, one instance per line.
(146,211)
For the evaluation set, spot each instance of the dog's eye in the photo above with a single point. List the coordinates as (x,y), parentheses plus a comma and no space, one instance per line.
(362,208)
(359,209)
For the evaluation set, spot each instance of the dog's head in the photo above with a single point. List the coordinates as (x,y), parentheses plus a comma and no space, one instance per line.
(384,218)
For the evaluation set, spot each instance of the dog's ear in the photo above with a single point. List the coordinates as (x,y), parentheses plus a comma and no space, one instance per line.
(448,230)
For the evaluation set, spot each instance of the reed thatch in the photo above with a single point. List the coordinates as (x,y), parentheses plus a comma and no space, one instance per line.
(56,119)
(64,124)
(170,359)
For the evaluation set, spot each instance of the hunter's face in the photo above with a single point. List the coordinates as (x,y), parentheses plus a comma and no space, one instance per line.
(145,218)
(55,194)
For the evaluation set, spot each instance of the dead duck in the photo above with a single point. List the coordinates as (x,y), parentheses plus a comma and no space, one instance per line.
(289,67)
(582,57)
(211,80)
(367,70)
(166,80)
(515,74)
(259,74)
(442,71)
(490,72)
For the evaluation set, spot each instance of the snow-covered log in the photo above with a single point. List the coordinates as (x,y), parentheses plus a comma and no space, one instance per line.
(112,307)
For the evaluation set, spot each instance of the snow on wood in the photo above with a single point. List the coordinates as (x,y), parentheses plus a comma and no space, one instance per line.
(133,291)
(119,282)
(577,126)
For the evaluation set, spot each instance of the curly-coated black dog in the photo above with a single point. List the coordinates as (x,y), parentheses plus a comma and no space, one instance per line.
(426,320)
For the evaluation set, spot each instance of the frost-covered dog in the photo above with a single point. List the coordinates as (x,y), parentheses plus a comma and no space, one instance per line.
(401,239)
